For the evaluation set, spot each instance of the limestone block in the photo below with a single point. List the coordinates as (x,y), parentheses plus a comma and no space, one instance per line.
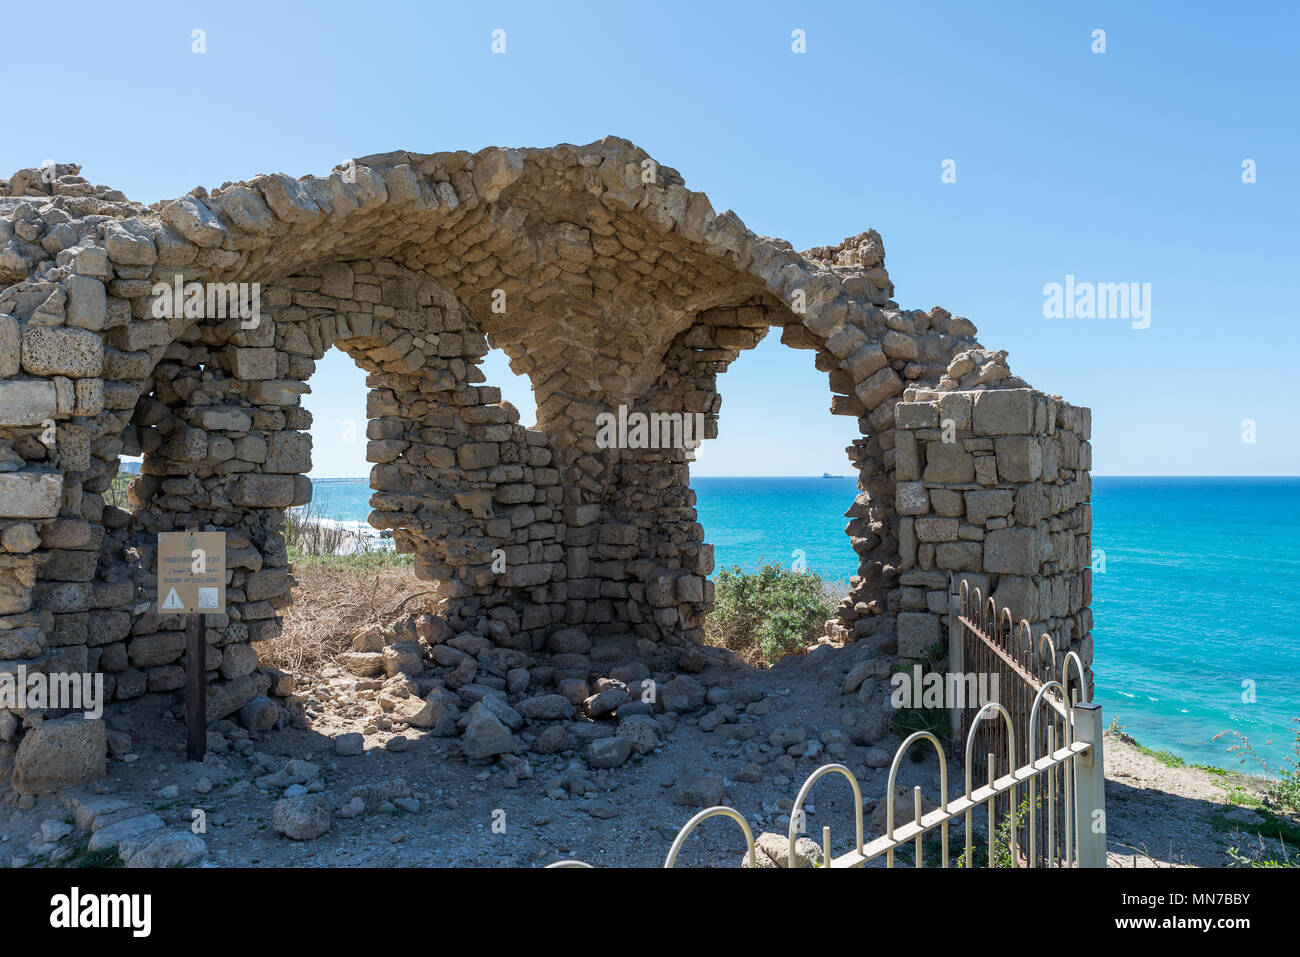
(75,353)
(845,342)
(1020,458)
(27,401)
(91,261)
(224,418)
(907,542)
(955,408)
(478,455)
(264,491)
(983,504)
(254,363)
(10,347)
(959,556)
(1012,551)
(948,464)
(936,529)
(289,199)
(1004,412)
(30,494)
(288,451)
(899,345)
(87,303)
(918,633)
(917,415)
(911,498)
(60,754)
(193,220)
(947,502)
(1018,593)
(130,242)
(879,386)
(89,397)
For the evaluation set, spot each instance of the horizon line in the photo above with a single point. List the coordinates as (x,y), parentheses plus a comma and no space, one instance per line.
(366,478)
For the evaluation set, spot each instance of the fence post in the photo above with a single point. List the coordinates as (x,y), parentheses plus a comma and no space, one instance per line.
(956,657)
(1089,787)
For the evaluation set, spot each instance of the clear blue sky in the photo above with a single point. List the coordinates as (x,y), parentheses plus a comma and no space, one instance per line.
(1115,167)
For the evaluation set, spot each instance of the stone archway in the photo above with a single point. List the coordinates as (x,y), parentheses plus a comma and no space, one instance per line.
(608,283)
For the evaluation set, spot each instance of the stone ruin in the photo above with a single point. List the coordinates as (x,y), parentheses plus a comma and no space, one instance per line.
(608,284)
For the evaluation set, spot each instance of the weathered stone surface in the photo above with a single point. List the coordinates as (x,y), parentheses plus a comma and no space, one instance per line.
(918,633)
(302,818)
(550,707)
(193,220)
(30,494)
(912,498)
(403,658)
(130,242)
(485,735)
(700,790)
(1019,594)
(608,752)
(683,694)
(1020,458)
(10,347)
(87,306)
(265,491)
(947,464)
(259,714)
(776,847)
(363,664)
(1011,551)
(641,731)
(75,353)
(59,754)
(984,504)
(135,830)
(168,849)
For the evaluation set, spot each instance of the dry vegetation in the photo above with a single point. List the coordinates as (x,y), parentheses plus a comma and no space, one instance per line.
(337,596)
(305,535)
(762,616)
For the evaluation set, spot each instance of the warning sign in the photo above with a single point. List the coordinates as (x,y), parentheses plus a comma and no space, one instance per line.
(192,572)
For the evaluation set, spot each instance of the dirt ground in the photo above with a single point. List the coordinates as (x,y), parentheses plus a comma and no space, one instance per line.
(1160,815)
(426,806)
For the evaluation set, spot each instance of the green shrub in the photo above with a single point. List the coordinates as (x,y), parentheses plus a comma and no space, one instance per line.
(768,613)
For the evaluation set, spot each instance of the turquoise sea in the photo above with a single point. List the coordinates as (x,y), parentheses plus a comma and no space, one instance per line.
(1197,607)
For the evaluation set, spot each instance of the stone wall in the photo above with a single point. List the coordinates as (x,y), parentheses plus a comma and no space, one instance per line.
(602,277)
(993,488)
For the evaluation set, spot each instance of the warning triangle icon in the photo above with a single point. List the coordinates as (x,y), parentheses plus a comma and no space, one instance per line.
(173,600)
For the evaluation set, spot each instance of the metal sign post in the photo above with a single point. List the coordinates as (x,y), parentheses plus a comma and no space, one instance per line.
(192,581)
